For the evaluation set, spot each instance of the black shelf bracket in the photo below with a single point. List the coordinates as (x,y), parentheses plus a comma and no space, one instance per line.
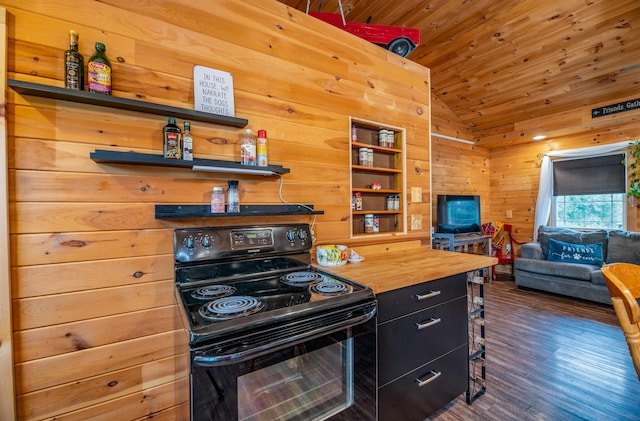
(85,97)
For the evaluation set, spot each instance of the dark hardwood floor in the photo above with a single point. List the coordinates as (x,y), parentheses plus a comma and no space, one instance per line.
(550,358)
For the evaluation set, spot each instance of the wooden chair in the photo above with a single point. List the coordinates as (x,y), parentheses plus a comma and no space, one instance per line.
(506,258)
(623,281)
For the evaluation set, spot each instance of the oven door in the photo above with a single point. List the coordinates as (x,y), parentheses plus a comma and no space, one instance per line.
(323,376)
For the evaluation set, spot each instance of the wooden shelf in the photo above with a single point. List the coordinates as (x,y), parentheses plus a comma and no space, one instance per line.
(204,211)
(377,212)
(356,145)
(85,97)
(376,169)
(197,164)
(367,190)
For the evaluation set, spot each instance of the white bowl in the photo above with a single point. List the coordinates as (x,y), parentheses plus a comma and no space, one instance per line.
(332,255)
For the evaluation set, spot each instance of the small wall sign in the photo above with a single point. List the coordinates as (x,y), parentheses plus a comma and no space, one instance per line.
(213,91)
(615,108)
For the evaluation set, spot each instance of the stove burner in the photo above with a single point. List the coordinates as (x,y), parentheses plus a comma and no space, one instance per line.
(230,307)
(328,287)
(212,292)
(300,278)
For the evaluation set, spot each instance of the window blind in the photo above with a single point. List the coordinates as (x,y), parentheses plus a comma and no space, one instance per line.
(602,174)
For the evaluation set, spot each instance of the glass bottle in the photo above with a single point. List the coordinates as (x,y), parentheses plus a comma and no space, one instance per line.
(172,139)
(99,71)
(73,64)
(233,198)
(248,149)
(187,142)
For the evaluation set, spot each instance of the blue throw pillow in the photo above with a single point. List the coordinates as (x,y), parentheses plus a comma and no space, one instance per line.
(589,254)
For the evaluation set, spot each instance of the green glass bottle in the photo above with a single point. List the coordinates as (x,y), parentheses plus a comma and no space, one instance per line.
(99,71)
(172,140)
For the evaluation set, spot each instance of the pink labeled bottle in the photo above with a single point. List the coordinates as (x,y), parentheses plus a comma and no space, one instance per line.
(99,71)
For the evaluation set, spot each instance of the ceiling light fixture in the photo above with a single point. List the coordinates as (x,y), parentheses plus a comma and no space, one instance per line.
(539,137)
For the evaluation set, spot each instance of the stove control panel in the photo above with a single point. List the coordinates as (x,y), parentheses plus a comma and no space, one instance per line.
(211,243)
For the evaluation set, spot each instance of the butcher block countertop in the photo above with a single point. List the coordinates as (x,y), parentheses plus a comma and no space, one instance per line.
(386,270)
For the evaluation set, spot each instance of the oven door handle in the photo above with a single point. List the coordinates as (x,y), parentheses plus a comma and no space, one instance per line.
(203,360)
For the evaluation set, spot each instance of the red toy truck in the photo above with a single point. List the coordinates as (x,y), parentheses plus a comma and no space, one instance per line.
(397,39)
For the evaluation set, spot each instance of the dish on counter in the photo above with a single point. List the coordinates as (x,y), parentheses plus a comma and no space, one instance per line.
(356,259)
(332,255)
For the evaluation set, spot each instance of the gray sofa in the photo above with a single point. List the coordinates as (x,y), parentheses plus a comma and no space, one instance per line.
(560,272)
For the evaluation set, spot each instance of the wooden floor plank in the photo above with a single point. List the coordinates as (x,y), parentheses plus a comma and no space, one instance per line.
(550,358)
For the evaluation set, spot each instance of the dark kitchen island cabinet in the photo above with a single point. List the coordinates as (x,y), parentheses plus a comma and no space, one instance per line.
(422,325)
(422,348)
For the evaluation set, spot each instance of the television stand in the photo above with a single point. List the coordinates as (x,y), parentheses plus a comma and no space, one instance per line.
(463,242)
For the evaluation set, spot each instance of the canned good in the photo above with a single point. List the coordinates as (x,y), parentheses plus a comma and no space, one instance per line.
(363,156)
(354,134)
(391,203)
(370,157)
(382,137)
(396,202)
(368,223)
(376,223)
(391,139)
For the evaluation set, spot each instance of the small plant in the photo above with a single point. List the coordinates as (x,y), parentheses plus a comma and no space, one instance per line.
(634,170)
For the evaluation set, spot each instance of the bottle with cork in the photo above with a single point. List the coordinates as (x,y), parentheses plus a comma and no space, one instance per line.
(187,142)
(73,64)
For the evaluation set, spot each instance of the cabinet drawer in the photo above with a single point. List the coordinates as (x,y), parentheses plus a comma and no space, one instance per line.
(402,301)
(404,399)
(414,340)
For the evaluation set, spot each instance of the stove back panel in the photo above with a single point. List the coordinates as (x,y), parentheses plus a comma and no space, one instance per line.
(217,243)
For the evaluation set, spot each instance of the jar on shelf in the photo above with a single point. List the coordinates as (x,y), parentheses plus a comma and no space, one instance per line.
(368,223)
(217,200)
(233,198)
(363,157)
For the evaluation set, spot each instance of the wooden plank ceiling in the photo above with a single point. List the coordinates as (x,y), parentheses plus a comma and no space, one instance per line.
(502,66)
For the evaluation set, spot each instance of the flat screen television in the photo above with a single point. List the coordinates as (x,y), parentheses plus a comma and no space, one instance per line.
(458,214)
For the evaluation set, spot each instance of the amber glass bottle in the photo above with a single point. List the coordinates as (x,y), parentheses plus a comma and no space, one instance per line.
(73,64)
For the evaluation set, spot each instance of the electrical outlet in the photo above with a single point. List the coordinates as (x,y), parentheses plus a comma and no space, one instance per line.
(416,222)
(416,194)
(509,214)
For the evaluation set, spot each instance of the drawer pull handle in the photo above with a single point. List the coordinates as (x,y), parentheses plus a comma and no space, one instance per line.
(432,376)
(427,295)
(431,322)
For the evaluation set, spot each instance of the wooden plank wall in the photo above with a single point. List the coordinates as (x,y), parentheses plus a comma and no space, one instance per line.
(457,167)
(96,329)
(515,168)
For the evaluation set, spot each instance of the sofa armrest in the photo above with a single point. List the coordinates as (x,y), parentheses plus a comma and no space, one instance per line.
(531,251)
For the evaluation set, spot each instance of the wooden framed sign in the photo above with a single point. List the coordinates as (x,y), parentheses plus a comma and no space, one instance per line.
(213,91)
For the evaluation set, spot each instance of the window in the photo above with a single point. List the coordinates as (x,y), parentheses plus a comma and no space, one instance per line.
(589,193)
